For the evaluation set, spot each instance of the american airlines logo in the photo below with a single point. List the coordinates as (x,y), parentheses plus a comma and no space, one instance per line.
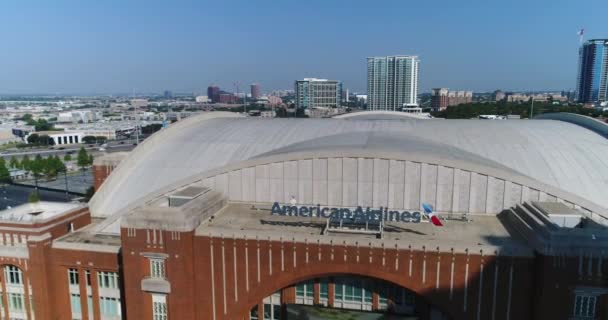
(358,214)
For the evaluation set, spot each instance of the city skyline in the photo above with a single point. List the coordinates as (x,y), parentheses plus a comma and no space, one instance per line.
(123,48)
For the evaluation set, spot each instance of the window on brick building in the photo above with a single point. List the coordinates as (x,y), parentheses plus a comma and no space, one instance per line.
(324,289)
(16,302)
(90,306)
(13,275)
(108,280)
(75,304)
(305,289)
(73,276)
(87,273)
(272,307)
(157,268)
(352,290)
(109,307)
(159,307)
(253,314)
(584,306)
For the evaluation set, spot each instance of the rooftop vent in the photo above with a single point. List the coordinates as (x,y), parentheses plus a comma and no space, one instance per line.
(183,196)
(560,214)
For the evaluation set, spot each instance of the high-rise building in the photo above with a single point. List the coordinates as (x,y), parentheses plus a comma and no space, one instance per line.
(255,91)
(592,82)
(499,95)
(167,94)
(392,82)
(441,98)
(213,93)
(318,93)
(227,97)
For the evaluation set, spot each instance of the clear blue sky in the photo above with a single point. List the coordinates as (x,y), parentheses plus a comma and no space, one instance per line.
(148,46)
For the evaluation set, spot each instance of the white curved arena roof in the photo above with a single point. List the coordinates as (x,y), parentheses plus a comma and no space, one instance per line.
(559,154)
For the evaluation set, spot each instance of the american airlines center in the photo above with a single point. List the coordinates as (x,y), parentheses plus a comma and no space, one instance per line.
(227,217)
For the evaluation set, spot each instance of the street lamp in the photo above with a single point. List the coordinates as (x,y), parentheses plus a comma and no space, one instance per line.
(65,175)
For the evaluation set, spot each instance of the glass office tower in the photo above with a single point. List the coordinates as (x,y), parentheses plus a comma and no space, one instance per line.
(392,82)
(314,93)
(592,82)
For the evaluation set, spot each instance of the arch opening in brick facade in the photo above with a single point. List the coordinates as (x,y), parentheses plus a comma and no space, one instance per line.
(346,291)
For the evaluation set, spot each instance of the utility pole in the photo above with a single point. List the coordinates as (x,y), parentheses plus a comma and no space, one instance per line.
(65,175)
(137,127)
(532,107)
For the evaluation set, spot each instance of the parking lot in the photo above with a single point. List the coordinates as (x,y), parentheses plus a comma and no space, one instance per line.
(14,195)
(76,182)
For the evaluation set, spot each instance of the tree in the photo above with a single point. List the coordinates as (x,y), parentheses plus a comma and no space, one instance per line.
(89,139)
(25,163)
(67,157)
(91,160)
(5,175)
(45,140)
(14,163)
(36,167)
(33,197)
(33,138)
(83,160)
(41,125)
(59,165)
(52,166)
(27,117)
(101,139)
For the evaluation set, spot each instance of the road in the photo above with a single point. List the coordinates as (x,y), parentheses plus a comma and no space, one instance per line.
(11,195)
(112,146)
(77,182)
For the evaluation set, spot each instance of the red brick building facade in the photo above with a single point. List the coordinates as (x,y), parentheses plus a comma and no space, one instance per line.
(207,274)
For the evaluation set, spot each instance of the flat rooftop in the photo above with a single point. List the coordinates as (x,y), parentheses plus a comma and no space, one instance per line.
(87,239)
(37,212)
(487,233)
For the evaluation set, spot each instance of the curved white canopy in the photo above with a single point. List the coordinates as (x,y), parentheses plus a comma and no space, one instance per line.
(558,154)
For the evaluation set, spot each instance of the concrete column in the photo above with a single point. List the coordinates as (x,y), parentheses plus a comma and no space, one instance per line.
(261,310)
(288,295)
(82,286)
(26,293)
(331,290)
(41,277)
(375,300)
(4,295)
(95,294)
